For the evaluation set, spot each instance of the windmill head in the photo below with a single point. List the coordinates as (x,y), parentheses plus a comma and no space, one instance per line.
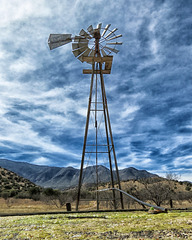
(88,43)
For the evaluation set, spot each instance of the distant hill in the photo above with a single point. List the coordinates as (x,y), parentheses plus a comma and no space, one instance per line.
(12,184)
(66,177)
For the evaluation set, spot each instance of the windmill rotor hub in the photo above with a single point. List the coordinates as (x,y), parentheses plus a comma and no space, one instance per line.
(97,37)
(97,34)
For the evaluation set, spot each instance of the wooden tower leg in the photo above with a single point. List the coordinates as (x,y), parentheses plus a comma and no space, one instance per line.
(107,135)
(85,138)
(111,136)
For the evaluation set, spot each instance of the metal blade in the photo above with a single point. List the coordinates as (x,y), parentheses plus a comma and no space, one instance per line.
(120,35)
(104,53)
(80,39)
(115,29)
(99,26)
(114,43)
(84,54)
(92,53)
(57,40)
(78,51)
(111,49)
(90,29)
(105,30)
(78,45)
(84,34)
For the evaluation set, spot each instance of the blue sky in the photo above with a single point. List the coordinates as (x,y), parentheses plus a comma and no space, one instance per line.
(44,95)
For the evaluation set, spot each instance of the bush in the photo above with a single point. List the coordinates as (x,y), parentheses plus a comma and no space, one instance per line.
(13,193)
(22,195)
(34,193)
(188,188)
(8,187)
(50,192)
(34,190)
(5,195)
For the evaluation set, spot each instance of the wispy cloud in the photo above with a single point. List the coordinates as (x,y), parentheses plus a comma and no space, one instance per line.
(44,95)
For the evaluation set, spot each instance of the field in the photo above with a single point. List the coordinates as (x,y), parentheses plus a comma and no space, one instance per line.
(108,225)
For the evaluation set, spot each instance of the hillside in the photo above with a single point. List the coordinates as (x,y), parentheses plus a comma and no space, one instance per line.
(63,178)
(12,184)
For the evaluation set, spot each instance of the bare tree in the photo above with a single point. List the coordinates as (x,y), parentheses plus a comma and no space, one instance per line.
(156,190)
(172,180)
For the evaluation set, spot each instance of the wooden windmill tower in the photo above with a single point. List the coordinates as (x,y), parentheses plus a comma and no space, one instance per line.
(95,47)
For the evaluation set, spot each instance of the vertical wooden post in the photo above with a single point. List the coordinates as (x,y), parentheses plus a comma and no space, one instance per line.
(85,137)
(111,136)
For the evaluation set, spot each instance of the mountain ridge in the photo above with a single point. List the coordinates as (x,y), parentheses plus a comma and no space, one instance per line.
(67,177)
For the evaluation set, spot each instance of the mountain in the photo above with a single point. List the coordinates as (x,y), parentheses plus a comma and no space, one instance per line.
(12,184)
(66,177)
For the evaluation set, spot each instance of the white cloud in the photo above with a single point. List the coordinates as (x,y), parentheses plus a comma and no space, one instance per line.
(185,176)
(46,88)
(42,161)
(154,46)
(134,159)
(21,133)
(183,161)
(128,110)
(17,10)
(23,65)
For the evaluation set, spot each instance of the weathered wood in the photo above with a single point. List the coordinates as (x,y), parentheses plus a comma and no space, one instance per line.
(89,71)
(108,65)
(98,59)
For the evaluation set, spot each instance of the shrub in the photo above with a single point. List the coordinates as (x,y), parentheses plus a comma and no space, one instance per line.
(50,192)
(188,188)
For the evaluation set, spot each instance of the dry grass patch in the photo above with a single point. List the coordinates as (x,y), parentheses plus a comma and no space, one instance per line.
(13,205)
(122,225)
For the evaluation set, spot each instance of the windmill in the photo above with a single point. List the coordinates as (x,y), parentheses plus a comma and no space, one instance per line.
(95,47)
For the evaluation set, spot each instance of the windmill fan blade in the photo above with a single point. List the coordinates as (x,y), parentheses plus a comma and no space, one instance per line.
(120,35)
(111,49)
(109,34)
(79,45)
(114,43)
(57,40)
(99,26)
(104,53)
(84,54)
(84,34)
(80,39)
(105,30)
(78,51)
(90,29)
(92,53)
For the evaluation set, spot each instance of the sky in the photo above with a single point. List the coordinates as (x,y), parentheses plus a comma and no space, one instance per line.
(44,95)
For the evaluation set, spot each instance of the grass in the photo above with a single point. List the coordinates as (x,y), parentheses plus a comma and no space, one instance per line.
(12,205)
(121,225)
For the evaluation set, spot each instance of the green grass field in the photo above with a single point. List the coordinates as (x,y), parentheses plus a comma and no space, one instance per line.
(110,225)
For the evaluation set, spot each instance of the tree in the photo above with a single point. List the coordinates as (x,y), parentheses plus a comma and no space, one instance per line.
(34,193)
(156,190)
(172,179)
(54,197)
(135,191)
